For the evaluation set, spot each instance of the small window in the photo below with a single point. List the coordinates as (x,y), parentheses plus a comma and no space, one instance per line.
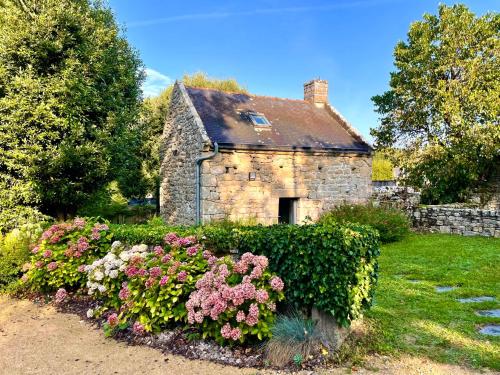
(258,119)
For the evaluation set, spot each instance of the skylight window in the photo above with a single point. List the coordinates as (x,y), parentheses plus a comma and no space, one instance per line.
(258,119)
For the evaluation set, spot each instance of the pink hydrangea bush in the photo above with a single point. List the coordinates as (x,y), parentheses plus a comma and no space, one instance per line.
(235,301)
(158,287)
(62,251)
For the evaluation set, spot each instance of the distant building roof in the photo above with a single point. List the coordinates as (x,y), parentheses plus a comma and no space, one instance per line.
(295,124)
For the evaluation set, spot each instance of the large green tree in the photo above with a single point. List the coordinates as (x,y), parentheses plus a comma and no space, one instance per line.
(443,106)
(69,103)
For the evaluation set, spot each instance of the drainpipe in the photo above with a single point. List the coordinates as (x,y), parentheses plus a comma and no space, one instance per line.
(199,161)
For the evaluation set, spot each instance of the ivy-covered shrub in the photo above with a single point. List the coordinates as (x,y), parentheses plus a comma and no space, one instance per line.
(330,266)
(392,224)
(235,301)
(15,252)
(63,250)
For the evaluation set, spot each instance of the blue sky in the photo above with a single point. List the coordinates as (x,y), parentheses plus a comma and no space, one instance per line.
(273,47)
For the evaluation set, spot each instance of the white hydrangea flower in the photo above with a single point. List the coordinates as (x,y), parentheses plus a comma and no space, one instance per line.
(90,313)
(113,274)
(98,275)
(101,288)
(116,244)
(125,256)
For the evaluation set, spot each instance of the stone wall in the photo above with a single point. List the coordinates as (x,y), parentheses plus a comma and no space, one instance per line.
(183,140)
(319,181)
(464,221)
(401,197)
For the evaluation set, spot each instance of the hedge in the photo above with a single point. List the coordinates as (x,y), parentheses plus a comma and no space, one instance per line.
(330,266)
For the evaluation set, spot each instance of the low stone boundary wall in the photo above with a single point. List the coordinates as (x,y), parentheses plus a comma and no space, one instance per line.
(464,221)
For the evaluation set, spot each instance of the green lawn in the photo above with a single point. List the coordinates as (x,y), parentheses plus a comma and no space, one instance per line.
(412,318)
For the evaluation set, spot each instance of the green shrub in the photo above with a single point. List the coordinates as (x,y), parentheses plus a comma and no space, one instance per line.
(178,282)
(392,224)
(292,336)
(330,266)
(217,237)
(147,234)
(62,251)
(15,252)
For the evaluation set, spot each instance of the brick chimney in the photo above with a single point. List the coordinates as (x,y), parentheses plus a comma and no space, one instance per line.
(316,92)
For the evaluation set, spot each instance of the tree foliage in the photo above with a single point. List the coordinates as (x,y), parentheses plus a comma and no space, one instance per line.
(382,168)
(443,106)
(69,103)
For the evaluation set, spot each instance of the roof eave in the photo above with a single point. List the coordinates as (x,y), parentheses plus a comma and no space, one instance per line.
(330,150)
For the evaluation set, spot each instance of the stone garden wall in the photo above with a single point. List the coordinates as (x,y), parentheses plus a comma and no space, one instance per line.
(463,221)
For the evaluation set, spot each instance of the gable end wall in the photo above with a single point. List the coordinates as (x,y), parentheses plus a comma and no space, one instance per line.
(183,140)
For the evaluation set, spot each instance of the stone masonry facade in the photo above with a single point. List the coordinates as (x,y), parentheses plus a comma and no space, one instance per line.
(318,181)
(463,221)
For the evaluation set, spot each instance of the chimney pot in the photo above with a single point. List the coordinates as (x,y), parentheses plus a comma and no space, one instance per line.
(316,92)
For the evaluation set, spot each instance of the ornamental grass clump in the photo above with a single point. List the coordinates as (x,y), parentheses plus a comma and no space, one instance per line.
(60,255)
(292,337)
(235,301)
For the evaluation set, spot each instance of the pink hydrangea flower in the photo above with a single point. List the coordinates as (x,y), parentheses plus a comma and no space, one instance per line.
(206,254)
(261,296)
(113,320)
(39,264)
(192,250)
(158,250)
(138,328)
(170,238)
(131,271)
(164,280)
(182,276)
(79,223)
(235,334)
(81,268)
(61,295)
(240,316)
(271,306)
(226,331)
(24,278)
(47,253)
(124,293)
(35,249)
(52,266)
(155,272)
(166,258)
(276,283)
(149,282)
(142,272)
(82,244)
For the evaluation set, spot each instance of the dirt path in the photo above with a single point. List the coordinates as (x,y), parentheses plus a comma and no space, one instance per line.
(39,340)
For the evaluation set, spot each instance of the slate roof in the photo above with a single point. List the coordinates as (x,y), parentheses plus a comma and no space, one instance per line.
(295,124)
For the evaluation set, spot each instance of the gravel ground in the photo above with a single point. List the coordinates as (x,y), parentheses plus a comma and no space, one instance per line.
(39,340)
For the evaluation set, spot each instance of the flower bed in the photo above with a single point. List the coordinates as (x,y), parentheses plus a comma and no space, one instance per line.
(176,283)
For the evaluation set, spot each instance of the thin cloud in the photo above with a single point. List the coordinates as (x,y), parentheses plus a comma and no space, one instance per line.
(255,12)
(154,83)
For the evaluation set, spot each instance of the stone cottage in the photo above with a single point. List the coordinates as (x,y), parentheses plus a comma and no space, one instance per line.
(239,156)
